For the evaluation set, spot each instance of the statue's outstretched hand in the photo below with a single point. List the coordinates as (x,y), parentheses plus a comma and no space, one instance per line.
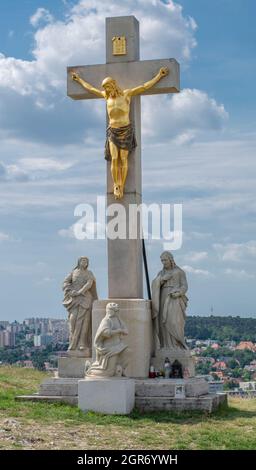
(163,71)
(75,76)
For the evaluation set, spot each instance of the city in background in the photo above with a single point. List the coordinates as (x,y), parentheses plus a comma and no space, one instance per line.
(224,348)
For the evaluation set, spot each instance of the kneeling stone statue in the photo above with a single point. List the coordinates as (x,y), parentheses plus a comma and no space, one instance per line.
(112,354)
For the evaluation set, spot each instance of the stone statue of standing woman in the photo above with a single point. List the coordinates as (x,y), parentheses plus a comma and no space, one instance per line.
(169,303)
(79,293)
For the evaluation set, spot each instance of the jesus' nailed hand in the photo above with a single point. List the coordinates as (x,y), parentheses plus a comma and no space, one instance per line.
(120,134)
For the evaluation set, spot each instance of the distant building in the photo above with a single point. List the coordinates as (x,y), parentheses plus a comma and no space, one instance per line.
(37,341)
(246,345)
(230,344)
(15,327)
(2,339)
(216,386)
(220,365)
(44,327)
(207,377)
(195,351)
(7,339)
(42,340)
(46,339)
(28,364)
(205,342)
(219,374)
(247,386)
(250,368)
(60,331)
(204,360)
(29,336)
(48,366)
(30,322)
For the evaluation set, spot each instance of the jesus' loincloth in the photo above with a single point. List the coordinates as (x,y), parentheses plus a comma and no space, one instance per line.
(122,137)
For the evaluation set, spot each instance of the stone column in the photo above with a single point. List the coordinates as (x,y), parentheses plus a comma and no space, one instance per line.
(125,275)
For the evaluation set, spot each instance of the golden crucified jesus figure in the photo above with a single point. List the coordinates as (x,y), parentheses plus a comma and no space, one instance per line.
(120,139)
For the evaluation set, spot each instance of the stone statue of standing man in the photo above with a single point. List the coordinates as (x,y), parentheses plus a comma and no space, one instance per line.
(79,293)
(169,303)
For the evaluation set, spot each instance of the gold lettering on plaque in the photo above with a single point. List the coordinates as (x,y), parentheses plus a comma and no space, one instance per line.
(119,45)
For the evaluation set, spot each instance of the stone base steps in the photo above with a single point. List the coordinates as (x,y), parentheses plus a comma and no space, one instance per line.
(150,394)
(193,387)
(70,400)
(59,386)
(55,390)
(208,403)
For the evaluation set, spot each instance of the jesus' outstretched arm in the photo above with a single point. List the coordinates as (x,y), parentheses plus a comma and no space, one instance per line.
(87,85)
(146,86)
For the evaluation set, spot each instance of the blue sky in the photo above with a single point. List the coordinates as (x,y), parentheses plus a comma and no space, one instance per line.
(51,153)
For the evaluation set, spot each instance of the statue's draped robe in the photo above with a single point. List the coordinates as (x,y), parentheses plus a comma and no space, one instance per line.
(169,313)
(80,307)
(122,137)
(107,346)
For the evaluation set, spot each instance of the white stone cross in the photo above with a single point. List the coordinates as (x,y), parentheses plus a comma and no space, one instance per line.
(125,276)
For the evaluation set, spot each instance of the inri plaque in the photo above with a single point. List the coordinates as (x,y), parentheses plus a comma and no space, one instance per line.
(119,45)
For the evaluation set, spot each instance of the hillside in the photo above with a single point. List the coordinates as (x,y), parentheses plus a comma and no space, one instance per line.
(26,425)
(221,328)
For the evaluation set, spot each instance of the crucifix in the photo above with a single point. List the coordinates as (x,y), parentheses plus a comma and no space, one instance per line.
(120,82)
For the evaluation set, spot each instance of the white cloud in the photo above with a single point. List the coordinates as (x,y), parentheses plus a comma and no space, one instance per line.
(41,15)
(12,173)
(182,118)
(199,235)
(32,168)
(44,164)
(4,237)
(165,32)
(67,232)
(21,76)
(80,39)
(45,280)
(196,256)
(239,273)
(90,228)
(236,251)
(199,272)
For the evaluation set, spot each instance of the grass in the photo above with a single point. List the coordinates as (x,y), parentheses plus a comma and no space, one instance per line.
(27,425)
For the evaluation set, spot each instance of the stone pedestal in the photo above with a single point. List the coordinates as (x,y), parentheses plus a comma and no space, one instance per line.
(136,313)
(71,366)
(181,355)
(112,395)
